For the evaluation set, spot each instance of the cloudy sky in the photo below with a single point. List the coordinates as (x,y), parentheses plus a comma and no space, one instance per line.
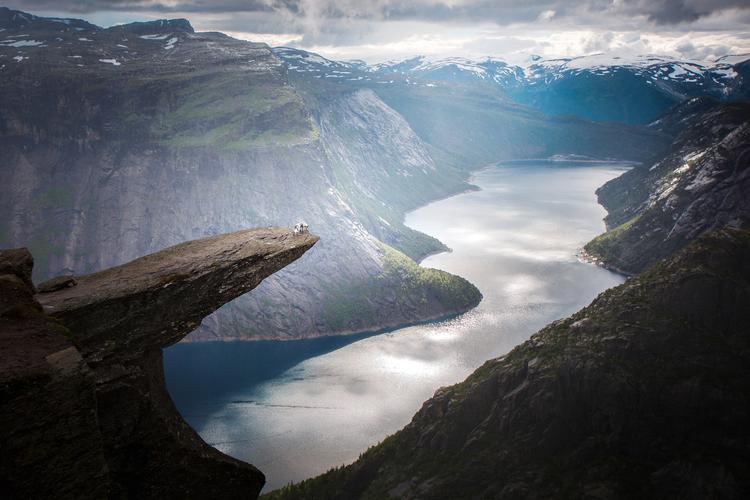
(378,30)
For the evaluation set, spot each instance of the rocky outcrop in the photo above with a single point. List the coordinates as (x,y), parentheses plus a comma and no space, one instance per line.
(638,395)
(85,412)
(702,183)
(51,442)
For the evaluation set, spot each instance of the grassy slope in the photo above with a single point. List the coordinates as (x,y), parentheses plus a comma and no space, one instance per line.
(605,247)
(226,112)
(405,282)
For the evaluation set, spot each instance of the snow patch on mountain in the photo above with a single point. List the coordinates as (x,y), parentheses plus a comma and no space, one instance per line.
(22,43)
(653,69)
(155,37)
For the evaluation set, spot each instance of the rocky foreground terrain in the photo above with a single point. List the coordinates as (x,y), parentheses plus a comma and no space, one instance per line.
(84,412)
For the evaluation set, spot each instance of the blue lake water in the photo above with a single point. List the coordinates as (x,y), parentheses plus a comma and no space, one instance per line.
(296,409)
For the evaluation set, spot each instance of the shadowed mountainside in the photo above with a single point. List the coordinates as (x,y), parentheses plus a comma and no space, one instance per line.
(122,141)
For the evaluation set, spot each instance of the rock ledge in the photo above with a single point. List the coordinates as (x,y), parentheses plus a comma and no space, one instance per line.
(85,411)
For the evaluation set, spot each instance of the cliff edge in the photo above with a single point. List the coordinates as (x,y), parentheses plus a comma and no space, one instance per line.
(85,412)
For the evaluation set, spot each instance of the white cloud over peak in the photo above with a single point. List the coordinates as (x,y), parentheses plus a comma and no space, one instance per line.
(384,29)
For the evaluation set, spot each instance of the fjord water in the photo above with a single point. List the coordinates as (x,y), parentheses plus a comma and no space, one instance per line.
(296,409)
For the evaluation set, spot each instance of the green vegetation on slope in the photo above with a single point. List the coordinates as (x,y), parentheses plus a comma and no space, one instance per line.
(407,285)
(225,111)
(606,246)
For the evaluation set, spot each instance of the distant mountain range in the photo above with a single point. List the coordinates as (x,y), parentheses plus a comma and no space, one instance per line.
(599,87)
(538,70)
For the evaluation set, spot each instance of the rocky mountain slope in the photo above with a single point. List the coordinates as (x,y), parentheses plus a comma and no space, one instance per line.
(121,141)
(83,405)
(704,182)
(634,396)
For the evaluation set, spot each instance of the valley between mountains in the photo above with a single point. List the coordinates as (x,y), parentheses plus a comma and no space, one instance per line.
(134,159)
(130,140)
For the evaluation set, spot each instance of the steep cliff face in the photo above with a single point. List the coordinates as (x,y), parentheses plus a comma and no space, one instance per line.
(85,411)
(126,140)
(634,396)
(704,182)
(46,390)
(352,186)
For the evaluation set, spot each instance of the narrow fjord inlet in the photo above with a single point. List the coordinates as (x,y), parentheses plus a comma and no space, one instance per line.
(391,250)
(516,238)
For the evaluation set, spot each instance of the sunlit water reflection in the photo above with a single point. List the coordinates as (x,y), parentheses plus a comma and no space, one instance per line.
(296,409)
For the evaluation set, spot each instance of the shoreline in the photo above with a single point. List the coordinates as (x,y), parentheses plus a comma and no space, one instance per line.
(609,161)
(386,327)
(581,254)
(470,188)
(584,256)
(353,333)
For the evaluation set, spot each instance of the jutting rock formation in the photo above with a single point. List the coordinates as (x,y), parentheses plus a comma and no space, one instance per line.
(85,412)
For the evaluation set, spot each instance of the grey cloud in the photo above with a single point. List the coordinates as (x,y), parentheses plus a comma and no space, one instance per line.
(599,42)
(677,11)
(704,52)
(500,12)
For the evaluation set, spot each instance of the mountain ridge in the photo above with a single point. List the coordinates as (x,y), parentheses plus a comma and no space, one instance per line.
(657,208)
(118,145)
(562,86)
